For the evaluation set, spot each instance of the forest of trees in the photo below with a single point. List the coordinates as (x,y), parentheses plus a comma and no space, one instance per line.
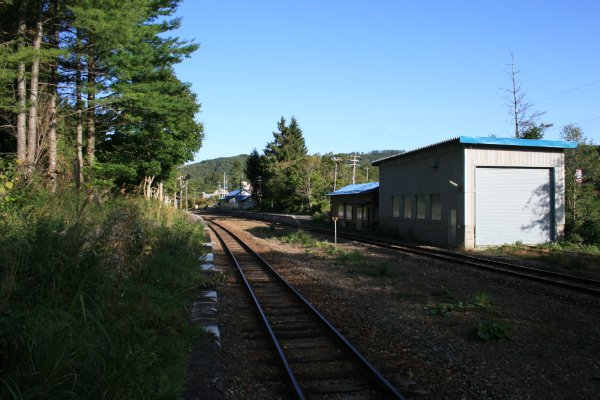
(88,92)
(206,175)
(292,180)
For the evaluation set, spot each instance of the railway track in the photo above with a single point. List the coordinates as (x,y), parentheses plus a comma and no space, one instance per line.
(572,282)
(576,283)
(319,362)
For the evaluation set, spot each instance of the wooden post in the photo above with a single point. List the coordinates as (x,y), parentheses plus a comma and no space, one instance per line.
(335,219)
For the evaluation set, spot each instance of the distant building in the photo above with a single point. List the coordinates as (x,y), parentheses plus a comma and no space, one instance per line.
(222,192)
(356,206)
(468,192)
(237,199)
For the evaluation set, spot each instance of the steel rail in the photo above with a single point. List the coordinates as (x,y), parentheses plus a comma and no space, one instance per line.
(273,338)
(548,277)
(367,366)
(571,282)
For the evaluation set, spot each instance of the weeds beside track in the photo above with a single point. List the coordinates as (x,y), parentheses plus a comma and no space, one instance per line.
(95,298)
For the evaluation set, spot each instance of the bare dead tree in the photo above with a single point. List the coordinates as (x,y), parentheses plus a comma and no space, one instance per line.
(522,115)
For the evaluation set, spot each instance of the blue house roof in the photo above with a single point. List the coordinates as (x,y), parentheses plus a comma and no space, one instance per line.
(359,188)
(494,141)
(518,142)
(232,194)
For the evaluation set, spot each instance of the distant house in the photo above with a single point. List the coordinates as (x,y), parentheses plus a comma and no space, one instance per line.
(469,192)
(356,206)
(237,199)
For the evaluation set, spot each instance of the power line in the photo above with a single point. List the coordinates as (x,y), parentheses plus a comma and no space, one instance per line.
(568,91)
(576,123)
(502,112)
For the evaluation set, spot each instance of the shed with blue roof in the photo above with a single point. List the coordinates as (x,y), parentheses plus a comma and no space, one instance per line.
(475,191)
(237,199)
(356,206)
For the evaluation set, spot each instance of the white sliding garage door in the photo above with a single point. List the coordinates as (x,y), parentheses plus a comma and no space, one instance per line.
(513,205)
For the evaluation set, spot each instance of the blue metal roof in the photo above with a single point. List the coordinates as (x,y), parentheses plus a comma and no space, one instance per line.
(557,144)
(242,197)
(358,188)
(233,193)
(518,142)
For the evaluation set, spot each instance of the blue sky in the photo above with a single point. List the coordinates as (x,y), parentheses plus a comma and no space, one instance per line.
(383,74)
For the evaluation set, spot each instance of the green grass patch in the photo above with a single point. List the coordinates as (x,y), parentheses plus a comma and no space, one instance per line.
(491,331)
(95,299)
(481,301)
(571,256)
(356,262)
(300,238)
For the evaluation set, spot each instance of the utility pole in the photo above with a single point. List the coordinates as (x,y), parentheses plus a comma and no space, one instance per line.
(259,180)
(183,184)
(187,184)
(335,160)
(367,174)
(354,163)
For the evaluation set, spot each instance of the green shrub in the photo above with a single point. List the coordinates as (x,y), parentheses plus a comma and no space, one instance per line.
(444,291)
(484,301)
(301,238)
(590,232)
(491,330)
(350,257)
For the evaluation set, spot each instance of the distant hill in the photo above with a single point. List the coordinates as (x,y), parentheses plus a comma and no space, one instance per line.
(368,158)
(206,175)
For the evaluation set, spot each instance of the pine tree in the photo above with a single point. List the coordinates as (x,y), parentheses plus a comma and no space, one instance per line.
(120,95)
(254,170)
(284,156)
(288,144)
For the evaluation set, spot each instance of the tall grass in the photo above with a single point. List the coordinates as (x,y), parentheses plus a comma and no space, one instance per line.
(94,299)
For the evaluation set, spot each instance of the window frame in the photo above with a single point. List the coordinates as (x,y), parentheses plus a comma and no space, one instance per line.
(407,207)
(347,212)
(435,206)
(421,207)
(396,207)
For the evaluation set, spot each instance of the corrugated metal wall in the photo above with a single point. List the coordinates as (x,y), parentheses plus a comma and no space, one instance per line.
(513,205)
(490,156)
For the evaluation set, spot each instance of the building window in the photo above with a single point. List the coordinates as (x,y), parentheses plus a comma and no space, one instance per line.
(436,207)
(348,216)
(421,206)
(407,200)
(340,210)
(396,206)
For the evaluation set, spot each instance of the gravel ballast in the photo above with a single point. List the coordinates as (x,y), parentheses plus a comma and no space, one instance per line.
(437,330)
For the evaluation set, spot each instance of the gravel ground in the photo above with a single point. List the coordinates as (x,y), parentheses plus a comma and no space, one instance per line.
(416,323)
